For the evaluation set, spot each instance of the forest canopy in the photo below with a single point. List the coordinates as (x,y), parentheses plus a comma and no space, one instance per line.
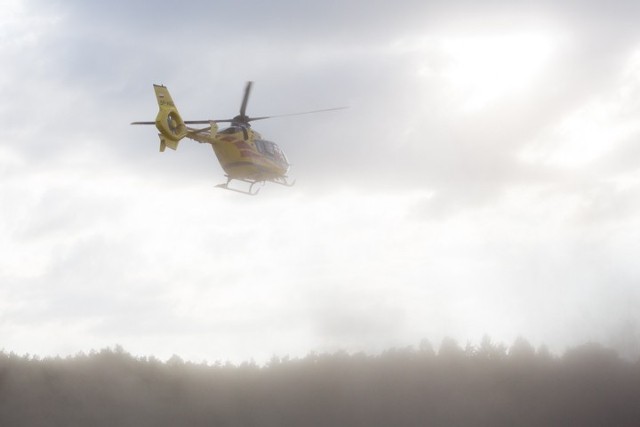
(487,384)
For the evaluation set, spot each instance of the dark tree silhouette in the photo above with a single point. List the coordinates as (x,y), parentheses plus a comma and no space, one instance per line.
(483,385)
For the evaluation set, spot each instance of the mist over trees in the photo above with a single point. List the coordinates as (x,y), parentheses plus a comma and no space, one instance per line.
(484,385)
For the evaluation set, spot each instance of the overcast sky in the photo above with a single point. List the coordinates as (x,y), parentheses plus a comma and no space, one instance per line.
(485,179)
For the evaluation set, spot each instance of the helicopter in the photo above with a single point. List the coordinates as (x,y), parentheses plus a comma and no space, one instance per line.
(243,153)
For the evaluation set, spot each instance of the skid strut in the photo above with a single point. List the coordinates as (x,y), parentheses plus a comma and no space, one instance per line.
(252,183)
(248,192)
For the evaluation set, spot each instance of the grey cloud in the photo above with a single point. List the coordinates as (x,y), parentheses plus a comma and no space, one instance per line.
(371,82)
(358,146)
(75,90)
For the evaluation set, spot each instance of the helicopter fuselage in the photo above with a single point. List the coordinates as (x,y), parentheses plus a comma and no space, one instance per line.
(244,154)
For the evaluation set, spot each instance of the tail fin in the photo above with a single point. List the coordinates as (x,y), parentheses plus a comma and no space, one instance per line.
(168,121)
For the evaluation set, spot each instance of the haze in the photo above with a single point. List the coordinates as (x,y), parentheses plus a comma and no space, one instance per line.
(485,179)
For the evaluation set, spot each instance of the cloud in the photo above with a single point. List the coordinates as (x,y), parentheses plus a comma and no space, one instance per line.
(466,190)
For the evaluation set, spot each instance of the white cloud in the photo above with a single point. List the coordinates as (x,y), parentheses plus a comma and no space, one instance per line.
(411,218)
(485,68)
(594,129)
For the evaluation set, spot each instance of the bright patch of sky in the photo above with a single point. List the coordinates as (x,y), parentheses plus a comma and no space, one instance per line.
(482,69)
(596,128)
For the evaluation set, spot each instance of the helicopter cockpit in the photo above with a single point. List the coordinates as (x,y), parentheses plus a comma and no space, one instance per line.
(270,149)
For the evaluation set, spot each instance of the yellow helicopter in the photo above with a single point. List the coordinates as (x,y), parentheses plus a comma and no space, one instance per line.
(242,152)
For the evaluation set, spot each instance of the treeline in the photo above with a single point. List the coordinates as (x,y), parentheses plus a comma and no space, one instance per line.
(484,385)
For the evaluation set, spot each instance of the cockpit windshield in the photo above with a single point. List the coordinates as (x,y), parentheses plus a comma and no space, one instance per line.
(272,150)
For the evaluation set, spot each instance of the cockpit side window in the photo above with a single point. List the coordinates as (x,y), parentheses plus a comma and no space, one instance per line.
(265,147)
(271,150)
(269,147)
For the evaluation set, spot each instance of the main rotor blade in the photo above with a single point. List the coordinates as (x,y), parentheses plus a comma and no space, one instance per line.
(206,122)
(190,122)
(201,130)
(245,99)
(248,119)
(251,119)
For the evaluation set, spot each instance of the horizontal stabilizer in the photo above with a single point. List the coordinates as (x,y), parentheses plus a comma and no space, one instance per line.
(165,142)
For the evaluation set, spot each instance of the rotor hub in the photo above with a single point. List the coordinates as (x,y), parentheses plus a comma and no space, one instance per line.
(241,120)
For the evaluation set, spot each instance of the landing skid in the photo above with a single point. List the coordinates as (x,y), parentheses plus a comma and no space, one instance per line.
(283,181)
(250,191)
